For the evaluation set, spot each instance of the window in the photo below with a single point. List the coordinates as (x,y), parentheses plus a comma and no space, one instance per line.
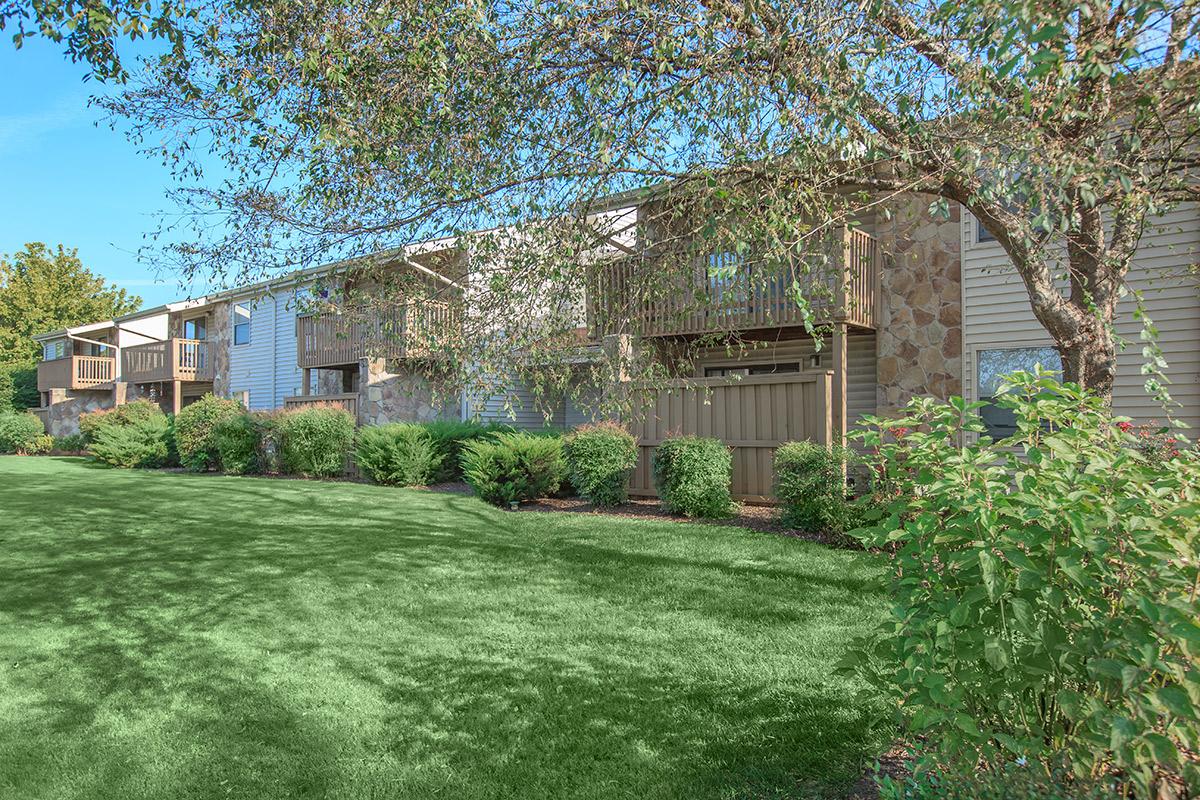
(53,350)
(993,365)
(241,323)
(242,396)
(196,328)
(752,369)
(982,234)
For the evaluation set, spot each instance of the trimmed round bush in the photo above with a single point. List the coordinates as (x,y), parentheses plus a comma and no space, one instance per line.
(692,475)
(239,441)
(315,442)
(599,459)
(513,467)
(399,454)
(449,437)
(19,431)
(810,484)
(196,431)
(127,414)
(138,443)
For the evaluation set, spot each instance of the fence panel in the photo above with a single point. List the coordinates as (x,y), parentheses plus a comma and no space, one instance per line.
(753,415)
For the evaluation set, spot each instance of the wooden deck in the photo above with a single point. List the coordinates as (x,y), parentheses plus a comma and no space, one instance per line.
(331,339)
(76,372)
(347,401)
(171,360)
(623,300)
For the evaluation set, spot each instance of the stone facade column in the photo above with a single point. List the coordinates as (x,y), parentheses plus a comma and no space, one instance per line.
(919,338)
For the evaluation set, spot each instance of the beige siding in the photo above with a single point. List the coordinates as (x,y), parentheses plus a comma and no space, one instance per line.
(996,313)
(860,366)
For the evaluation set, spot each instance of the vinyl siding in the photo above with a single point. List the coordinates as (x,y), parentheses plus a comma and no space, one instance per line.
(523,412)
(996,313)
(266,367)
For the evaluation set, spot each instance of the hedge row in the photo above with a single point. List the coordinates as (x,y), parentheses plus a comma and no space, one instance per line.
(503,466)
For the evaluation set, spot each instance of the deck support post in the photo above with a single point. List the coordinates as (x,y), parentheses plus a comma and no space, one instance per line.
(839,382)
(306,387)
(176,396)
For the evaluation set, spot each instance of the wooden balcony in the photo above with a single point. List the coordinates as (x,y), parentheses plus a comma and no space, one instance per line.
(331,339)
(76,372)
(622,300)
(347,402)
(170,360)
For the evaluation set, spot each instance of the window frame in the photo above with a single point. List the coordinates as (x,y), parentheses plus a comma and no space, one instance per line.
(233,318)
(977,378)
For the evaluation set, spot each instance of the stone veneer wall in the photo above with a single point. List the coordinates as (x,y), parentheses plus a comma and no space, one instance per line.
(66,405)
(919,342)
(220,339)
(391,392)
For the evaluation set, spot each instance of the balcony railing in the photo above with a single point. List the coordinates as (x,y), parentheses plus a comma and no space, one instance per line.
(76,372)
(170,360)
(410,331)
(712,300)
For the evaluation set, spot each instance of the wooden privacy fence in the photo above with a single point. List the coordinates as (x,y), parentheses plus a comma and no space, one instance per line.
(754,416)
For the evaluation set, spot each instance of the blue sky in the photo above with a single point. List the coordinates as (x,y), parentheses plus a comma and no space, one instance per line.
(65,180)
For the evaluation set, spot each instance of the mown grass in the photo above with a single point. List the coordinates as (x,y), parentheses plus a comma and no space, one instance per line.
(185,636)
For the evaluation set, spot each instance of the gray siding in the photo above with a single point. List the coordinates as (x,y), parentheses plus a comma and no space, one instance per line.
(996,313)
(266,367)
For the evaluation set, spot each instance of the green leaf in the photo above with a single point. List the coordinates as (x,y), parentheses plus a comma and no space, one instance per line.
(995,652)
(1122,733)
(991,579)
(1175,700)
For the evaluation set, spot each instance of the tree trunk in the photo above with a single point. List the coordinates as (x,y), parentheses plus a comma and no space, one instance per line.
(1089,358)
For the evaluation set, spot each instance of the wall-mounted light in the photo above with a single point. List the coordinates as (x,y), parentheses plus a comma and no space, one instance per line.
(814,361)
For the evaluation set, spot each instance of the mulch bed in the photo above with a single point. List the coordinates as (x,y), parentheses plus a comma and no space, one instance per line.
(764,519)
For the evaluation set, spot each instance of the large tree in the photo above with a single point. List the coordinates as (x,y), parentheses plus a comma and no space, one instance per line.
(1064,127)
(43,290)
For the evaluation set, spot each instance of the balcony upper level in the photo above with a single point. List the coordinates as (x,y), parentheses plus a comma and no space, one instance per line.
(410,330)
(711,298)
(174,359)
(76,372)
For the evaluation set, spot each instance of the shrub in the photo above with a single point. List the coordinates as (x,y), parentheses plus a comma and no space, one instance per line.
(513,467)
(238,440)
(71,443)
(18,388)
(692,475)
(810,484)
(449,437)
(38,446)
(18,431)
(127,414)
(599,459)
(401,453)
(315,442)
(1044,601)
(196,431)
(138,443)
(270,448)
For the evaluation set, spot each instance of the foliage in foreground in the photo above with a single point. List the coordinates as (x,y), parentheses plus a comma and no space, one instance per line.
(514,467)
(1044,591)
(399,454)
(450,436)
(315,442)
(810,484)
(196,431)
(19,432)
(239,444)
(18,388)
(138,443)
(599,459)
(125,414)
(692,475)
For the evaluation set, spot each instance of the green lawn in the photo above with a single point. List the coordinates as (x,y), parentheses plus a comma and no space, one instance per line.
(171,636)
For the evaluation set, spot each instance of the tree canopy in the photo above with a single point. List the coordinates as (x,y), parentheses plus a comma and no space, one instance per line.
(42,290)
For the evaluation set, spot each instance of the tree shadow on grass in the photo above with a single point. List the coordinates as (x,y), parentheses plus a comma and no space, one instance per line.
(203,636)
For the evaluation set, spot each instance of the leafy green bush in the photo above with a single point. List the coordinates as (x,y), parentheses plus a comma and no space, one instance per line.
(599,459)
(1008,780)
(692,475)
(38,446)
(19,431)
(401,453)
(137,443)
(810,484)
(238,441)
(270,446)
(196,431)
(449,437)
(18,388)
(513,467)
(315,442)
(71,443)
(1044,593)
(126,414)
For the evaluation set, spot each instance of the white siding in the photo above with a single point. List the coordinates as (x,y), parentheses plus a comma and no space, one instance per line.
(996,313)
(514,405)
(266,367)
